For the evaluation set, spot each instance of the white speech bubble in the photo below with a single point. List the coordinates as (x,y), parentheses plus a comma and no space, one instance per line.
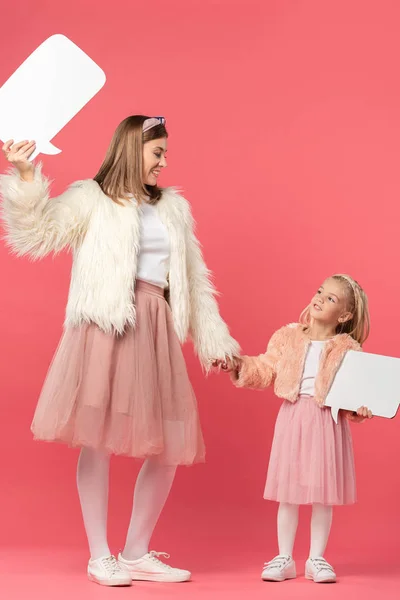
(365,379)
(50,87)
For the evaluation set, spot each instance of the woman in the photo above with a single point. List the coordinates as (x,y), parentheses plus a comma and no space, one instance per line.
(118,382)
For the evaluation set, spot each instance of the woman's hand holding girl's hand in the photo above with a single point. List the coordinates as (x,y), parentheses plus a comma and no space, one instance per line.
(18,155)
(358,417)
(228,365)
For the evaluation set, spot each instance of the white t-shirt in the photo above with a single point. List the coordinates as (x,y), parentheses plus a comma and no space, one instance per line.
(154,255)
(307,387)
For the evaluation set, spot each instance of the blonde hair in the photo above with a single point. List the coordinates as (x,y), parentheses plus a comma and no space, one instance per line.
(358,326)
(121,174)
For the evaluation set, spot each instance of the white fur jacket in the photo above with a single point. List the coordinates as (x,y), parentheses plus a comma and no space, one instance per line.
(104,239)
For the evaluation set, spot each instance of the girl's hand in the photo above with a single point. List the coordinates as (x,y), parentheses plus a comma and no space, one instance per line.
(358,417)
(228,365)
(18,155)
(219,364)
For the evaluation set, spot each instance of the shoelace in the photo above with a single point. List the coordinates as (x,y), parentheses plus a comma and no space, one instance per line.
(322,565)
(154,557)
(111,565)
(279,562)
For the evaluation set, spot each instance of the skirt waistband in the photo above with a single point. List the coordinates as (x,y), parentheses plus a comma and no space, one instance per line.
(148,288)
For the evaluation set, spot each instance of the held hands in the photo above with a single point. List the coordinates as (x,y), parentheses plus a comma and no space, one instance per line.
(18,155)
(358,417)
(228,365)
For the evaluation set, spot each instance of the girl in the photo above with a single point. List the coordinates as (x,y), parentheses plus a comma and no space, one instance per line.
(311,457)
(118,382)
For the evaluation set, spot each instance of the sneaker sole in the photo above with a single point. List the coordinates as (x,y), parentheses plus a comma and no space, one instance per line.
(108,582)
(159,578)
(278,579)
(328,580)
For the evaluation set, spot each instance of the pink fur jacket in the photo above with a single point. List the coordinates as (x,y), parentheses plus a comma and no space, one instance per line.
(283,364)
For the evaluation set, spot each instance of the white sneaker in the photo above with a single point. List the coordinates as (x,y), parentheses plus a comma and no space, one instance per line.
(279,569)
(107,571)
(150,568)
(320,571)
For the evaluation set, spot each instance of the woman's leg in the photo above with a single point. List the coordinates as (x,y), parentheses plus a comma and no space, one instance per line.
(288,518)
(152,488)
(92,481)
(321,521)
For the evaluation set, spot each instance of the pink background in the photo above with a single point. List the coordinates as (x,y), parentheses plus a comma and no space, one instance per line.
(284,134)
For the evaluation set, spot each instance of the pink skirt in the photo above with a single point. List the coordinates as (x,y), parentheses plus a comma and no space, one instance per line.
(311,457)
(127,394)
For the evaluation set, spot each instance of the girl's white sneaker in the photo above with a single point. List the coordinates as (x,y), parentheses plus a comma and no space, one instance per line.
(279,569)
(320,571)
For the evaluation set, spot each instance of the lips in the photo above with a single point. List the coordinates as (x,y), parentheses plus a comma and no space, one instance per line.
(156,173)
(317,307)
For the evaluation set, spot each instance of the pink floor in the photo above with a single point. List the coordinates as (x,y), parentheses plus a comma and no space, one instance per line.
(59,575)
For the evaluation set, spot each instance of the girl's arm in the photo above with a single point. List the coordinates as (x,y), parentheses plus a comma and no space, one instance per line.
(258,372)
(359,416)
(363,412)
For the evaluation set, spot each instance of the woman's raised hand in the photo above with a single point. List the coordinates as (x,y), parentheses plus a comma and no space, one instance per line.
(18,155)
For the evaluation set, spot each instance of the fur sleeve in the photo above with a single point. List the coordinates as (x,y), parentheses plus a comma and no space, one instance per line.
(37,225)
(208,330)
(258,372)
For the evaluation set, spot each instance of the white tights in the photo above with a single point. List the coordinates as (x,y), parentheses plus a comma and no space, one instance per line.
(151,492)
(288,518)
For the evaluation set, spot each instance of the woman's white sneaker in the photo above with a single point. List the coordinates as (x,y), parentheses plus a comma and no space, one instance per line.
(107,571)
(279,569)
(150,568)
(320,571)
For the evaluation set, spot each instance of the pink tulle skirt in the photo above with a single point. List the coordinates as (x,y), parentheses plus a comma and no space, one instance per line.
(127,394)
(311,457)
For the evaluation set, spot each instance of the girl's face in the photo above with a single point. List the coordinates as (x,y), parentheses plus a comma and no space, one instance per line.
(330,303)
(154,159)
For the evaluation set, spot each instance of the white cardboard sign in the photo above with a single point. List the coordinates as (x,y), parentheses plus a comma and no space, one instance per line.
(50,87)
(368,380)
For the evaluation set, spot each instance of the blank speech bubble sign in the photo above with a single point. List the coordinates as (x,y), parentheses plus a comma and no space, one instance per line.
(50,87)
(365,379)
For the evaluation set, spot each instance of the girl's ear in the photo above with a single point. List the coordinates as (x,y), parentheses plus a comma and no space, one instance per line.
(346,317)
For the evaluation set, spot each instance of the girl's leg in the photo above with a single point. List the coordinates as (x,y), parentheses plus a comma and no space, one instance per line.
(283,567)
(288,518)
(321,521)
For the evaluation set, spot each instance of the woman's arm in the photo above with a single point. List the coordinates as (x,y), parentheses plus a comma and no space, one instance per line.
(208,330)
(34,223)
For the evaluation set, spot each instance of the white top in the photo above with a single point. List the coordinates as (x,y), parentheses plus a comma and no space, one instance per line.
(154,255)
(307,386)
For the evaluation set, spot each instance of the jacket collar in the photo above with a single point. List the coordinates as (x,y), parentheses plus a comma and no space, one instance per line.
(342,341)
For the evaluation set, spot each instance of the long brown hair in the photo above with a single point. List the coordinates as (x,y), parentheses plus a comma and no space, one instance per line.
(121,174)
(359,325)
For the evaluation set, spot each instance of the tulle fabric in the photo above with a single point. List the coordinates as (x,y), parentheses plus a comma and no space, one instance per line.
(311,457)
(126,394)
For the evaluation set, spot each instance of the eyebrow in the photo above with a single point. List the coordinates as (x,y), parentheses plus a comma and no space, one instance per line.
(159,148)
(321,287)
